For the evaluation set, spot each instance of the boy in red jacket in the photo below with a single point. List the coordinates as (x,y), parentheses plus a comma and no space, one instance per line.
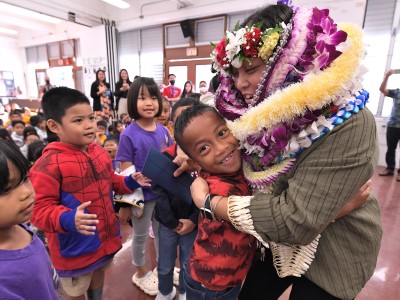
(74,180)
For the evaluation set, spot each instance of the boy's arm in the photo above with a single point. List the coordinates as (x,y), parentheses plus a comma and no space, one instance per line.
(48,209)
(166,213)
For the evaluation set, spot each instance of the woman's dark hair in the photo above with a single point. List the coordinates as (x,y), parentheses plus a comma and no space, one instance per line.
(214,84)
(184,93)
(133,95)
(8,154)
(97,81)
(195,96)
(181,103)
(120,78)
(269,16)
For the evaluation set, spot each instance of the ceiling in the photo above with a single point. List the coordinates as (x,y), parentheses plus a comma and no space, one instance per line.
(140,14)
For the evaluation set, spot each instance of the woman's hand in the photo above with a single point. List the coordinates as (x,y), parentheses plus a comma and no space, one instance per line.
(199,190)
(358,199)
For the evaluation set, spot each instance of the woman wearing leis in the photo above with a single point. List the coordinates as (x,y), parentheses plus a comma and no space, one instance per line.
(290,88)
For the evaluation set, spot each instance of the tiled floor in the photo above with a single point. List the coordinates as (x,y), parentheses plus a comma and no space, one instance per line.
(384,285)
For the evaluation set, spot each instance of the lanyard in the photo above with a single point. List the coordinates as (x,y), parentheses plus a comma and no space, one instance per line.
(172,90)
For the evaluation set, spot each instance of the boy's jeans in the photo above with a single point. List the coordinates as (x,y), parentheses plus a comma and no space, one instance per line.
(169,240)
(196,291)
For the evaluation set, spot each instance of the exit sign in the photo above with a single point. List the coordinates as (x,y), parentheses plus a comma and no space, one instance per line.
(191,51)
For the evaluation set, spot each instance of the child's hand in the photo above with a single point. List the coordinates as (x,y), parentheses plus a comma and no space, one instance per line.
(179,227)
(125,214)
(141,179)
(84,222)
(187,226)
(199,190)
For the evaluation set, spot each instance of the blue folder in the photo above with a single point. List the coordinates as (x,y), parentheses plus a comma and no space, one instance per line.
(160,169)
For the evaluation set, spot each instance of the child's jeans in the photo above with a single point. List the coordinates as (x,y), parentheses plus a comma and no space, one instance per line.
(169,240)
(196,291)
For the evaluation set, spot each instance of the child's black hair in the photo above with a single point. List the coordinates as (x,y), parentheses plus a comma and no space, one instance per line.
(110,139)
(35,150)
(29,130)
(133,95)
(186,118)
(186,101)
(8,154)
(56,101)
(269,16)
(102,123)
(15,122)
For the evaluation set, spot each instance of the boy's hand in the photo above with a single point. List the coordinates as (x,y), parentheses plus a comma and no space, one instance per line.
(357,199)
(181,160)
(85,223)
(125,214)
(179,227)
(141,179)
(187,226)
(199,190)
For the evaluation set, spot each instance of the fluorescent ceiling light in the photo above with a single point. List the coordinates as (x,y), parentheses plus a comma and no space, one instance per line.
(118,3)
(8,31)
(27,13)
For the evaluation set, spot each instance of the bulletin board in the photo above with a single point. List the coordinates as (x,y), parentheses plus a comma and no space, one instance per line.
(7,86)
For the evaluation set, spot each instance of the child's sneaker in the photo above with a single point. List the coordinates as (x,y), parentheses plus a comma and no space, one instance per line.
(182,296)
(170,296)
(148,283)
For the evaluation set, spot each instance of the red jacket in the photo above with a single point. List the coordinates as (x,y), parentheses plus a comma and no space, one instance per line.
(63,179)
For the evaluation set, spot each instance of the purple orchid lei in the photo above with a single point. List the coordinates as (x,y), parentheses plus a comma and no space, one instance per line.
(310,46)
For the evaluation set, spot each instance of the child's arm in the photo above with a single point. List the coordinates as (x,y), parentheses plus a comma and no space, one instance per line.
(187,226)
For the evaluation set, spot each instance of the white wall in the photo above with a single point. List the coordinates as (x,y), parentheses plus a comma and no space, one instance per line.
(94,54)
(13,59)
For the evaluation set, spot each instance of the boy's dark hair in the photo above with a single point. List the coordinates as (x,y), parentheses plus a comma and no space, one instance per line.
(186,118)
(187,101)
(57,100)
(133,95)
(15,112)
(8,153)
(122,115)
(202,82)
(15,122)
(111,128)
(29,130)
(110,139)
(194,96)
(171,75)
(35,120)
(102,123)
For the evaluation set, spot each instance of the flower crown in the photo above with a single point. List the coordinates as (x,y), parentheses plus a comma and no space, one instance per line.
(246,43)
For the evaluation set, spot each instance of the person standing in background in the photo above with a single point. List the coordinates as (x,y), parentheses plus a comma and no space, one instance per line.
(187,89)
(100,92)
(171,91)
(121,92)
(393,128)
(203,87)
(45,88)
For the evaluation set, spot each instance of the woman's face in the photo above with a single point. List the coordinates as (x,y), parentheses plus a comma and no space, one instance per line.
(101,76)
(248,76)
(188,87)
(124,75)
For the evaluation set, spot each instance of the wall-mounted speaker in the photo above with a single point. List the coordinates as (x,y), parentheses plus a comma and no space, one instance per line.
(186,27)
